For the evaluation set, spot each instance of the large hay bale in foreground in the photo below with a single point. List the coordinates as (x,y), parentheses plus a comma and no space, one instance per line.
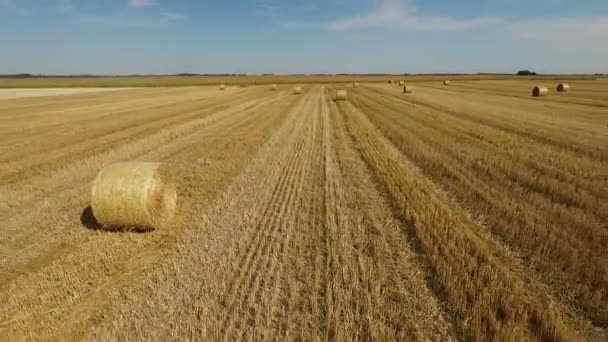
(401,83)
(540,91)
(341,95)
(222,87)
(133,194)
(446,82)
(356,85)
(563,87)
(408,89)
(297,90)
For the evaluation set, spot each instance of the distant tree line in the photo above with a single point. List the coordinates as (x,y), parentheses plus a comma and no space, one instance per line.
(526,73)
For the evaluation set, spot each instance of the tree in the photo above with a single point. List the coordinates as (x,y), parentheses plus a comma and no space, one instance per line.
(526,73)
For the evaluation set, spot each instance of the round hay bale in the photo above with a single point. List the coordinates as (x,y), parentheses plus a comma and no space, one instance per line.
(297,90)
(341,95)
(356,85)
(446,82)
(222,87)
(391,81)
(563,87)
(540,91)
(408,89)
(401,83)
(133,194)
(273,87)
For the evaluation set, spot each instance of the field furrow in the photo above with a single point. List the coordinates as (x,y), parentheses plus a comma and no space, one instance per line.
(524,206)
(479,284)
(235,236)
(583,96)
(372,264)
(69,250)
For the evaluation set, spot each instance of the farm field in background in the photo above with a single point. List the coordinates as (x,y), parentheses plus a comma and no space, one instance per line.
(470,211)
(245,80)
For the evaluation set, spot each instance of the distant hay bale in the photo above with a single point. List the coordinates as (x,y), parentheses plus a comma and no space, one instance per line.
(408,89)
(540,91)
(341,95)
(446,82)
(563,87)
(133,194)
(297,90)
(391,81)
(356,85)
(273,87)
(401,83)
(222,87)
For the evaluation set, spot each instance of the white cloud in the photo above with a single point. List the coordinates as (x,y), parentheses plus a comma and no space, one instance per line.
(26,7)
(572,44)
(63,6)
(564,32)
(132,21)
(400,14)
(141,3)
(11,5)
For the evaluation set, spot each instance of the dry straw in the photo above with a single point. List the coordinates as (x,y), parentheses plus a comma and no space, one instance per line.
(563,87)
(297,90)
(356,84)
(408,89)
(391,81)
(341,95)
(401,83)
(446,82)
(273,87)
(540,91)
(133,194)
(222,87)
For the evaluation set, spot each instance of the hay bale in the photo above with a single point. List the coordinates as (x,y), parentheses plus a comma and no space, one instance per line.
(446,82)
(273,87)
(341,95)
(391,81)
(133,194)
(297,90)
(356,85)
(540,91)
(222,87)
(401,83)
(408,89)
(563,87)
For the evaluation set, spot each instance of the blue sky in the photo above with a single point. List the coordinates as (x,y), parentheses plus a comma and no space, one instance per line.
(314,36)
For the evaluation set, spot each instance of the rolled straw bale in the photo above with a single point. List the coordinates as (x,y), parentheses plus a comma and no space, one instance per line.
(133,194)
(273,87)
(446,82)
(408,89)
(356,84)
(563,87)
(401,83)
(540,91)
(391,81)
(341,95)
(222,87)
(297,90)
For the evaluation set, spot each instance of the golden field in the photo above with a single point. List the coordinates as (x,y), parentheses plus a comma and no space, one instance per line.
(245,80)
(463,212)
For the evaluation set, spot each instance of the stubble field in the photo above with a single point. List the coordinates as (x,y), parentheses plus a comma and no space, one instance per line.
(462,212)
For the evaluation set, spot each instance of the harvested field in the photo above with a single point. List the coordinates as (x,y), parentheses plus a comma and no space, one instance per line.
(14,93)
(469,212)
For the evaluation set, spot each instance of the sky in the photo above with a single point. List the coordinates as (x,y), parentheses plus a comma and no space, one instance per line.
(299,36)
